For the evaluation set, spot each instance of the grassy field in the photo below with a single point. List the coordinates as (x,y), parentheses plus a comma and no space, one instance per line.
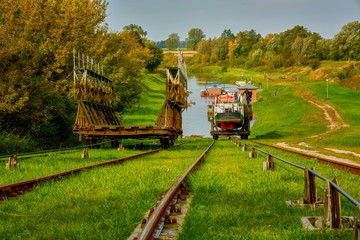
(285,115)
(54,163)
(152,98)
(102,203)
(346,102)
(235,199)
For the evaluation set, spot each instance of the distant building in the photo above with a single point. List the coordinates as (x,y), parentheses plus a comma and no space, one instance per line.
(251,88)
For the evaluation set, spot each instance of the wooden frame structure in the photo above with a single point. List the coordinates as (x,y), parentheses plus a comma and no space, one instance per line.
(96,118)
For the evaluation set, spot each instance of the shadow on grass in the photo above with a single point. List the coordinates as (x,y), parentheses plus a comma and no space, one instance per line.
(270,135)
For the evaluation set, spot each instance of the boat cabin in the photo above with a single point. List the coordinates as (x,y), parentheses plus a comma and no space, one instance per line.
(249,87)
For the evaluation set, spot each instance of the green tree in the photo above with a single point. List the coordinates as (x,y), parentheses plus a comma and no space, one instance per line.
(172,41)
(288,37)
(346,44)
(221,48)
(135,28)
(36,41)
(124,57)
(245,42)
(157,57)
(227,34)
(195,35)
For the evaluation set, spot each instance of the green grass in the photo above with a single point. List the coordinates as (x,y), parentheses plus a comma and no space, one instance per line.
(347,102)
(231,75)
(284,116)
(102,203)
(235,199)
(152,98)
(54,163)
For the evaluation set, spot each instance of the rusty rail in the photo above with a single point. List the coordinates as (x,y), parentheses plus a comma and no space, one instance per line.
(340,165)
(18,188)
(159,211)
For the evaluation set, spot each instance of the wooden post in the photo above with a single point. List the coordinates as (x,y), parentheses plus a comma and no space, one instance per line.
(85,153)
(337,223)
(310,190)
(356,226)
(12,163)
(332,206)
(244,148)
(270,162)
(253,152)
(121,147)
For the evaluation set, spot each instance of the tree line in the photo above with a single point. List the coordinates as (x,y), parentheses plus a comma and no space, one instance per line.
(37,109)
(294,46)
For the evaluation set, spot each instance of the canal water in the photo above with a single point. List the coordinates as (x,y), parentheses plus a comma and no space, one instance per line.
(195,117)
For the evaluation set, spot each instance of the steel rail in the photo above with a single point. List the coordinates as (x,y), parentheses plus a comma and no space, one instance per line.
(166,200)
(347,166)
(351,199)
(18,188)
(14,189)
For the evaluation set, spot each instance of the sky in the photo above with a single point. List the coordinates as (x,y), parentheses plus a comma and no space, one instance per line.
(160,18)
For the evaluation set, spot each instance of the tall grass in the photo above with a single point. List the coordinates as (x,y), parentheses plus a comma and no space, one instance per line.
(101,203)
(54,163)
(235,199)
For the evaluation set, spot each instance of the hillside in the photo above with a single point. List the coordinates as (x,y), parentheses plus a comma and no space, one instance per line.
(152,99)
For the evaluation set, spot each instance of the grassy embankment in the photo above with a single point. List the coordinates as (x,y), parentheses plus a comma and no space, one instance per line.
(235,199)
(152,98)
(102,203)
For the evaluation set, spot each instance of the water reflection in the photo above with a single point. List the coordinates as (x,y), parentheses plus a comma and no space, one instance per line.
(195,117)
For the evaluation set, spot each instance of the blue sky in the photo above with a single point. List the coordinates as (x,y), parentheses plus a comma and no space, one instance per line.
(160,18)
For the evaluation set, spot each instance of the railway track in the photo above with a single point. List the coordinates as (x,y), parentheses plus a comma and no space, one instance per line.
(340,165)
(160,215)
(19,188)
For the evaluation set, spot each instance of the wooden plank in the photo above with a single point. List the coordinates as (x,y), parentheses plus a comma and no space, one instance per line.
(86,113)
(91,114)
(98,120)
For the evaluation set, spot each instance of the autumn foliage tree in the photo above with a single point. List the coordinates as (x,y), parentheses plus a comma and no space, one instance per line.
(36,42)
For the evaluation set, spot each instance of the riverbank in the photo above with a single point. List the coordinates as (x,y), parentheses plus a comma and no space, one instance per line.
(287,116)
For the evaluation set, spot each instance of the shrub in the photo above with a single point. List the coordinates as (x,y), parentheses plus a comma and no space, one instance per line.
(224,69)
(11,144)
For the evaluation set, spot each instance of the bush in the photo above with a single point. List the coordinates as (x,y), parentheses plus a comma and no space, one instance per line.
(314,64)
(11,144)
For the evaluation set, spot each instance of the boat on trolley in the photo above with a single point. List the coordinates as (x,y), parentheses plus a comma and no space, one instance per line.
(229,116)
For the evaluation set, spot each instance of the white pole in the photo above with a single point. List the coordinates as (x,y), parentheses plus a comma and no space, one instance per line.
(327,88)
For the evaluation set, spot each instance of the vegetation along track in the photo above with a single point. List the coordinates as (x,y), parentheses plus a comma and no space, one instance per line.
(18,188)
(341,165)
(160,215)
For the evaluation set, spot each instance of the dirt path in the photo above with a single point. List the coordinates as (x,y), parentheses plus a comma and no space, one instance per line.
(330,114)
(335,123)
(317,153)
